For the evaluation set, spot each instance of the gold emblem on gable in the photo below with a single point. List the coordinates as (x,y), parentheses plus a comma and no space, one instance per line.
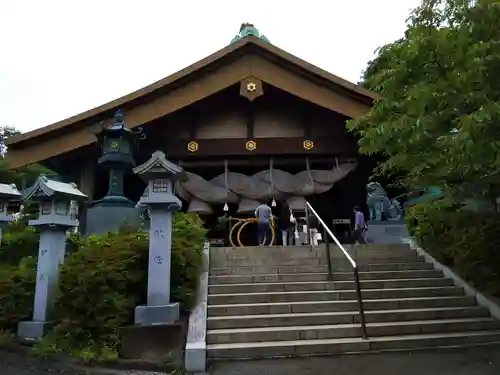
(250,145)
(193,146)
(251,86)
(308,145)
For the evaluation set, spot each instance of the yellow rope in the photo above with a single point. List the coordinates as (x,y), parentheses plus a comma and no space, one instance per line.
(241,223)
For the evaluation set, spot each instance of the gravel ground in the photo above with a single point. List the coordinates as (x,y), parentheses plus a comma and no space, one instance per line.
(470,361)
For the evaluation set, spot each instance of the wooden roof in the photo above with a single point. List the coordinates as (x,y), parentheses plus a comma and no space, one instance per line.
(248,57)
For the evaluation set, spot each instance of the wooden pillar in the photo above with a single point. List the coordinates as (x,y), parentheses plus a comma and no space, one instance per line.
(87,178)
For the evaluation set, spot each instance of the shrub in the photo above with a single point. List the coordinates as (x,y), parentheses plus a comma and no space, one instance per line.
(102,282)
(18,241)
(17,288)
(465,240)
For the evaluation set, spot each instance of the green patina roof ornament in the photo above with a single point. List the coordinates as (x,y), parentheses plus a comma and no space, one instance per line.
(248,29)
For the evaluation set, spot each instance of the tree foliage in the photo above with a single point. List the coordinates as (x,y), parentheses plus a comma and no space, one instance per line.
(437,120)
(473,253)
(24,176)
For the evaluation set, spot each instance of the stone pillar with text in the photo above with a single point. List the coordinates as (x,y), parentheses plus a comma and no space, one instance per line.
(55,218)
(160,175)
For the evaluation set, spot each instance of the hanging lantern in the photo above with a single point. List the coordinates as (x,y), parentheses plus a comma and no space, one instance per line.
(226,207)
(273,203)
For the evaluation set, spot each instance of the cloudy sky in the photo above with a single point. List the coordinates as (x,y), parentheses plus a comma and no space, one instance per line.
(59,58)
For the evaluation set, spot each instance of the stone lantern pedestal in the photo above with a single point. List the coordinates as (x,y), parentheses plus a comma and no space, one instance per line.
(54,219)
(161,203)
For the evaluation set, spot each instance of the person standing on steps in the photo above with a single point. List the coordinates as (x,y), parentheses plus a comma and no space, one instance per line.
(359,226)
(263,213)
(286,222)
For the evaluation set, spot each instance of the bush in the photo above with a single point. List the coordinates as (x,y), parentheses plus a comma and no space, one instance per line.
(468,241)
(18,241)
(17,288)
(102,282)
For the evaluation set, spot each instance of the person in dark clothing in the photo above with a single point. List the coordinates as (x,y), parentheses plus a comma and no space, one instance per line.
(286,224)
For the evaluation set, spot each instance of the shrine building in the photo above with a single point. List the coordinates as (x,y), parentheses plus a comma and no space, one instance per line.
(249,123)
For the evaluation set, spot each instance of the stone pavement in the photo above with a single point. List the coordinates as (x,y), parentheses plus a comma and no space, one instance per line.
(15,364)
(469,361)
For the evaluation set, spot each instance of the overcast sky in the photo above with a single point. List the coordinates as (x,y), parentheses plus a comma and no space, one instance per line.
(59,58)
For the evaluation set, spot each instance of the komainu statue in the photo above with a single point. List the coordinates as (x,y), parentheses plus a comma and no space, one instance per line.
(379,205)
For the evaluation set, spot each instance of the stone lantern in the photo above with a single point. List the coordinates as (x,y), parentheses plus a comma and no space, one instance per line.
(55,217)
(160,201)
(8,193)
(117,146)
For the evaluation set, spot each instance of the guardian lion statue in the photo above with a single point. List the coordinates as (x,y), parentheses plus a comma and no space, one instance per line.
(379,205)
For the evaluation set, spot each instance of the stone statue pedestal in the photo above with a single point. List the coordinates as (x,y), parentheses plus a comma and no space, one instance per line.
(386,232)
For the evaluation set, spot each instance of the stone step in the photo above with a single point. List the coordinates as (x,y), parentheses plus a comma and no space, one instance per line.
(276,349)
(337,276)
(304,252)
(330,295)
(338,306)
(336,331)
(262,250)
(326,285)
(343,317)
(312,261)
(378,267)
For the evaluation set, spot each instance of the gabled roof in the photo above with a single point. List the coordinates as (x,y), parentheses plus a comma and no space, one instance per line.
(10,191)
(52,188)
(158,164)
(248,45)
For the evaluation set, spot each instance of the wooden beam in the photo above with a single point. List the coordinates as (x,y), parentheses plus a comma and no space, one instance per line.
(250,117)
(263,146)
(262,162)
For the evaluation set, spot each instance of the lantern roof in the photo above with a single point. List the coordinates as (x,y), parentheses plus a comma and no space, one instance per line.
(158,166)
(10,191)
(47,187)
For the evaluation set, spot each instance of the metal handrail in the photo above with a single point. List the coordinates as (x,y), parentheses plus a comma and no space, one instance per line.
(327,233)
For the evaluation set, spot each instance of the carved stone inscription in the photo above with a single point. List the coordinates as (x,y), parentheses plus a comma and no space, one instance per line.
(159,258)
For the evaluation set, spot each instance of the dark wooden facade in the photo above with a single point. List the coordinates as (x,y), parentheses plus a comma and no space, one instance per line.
(204,116)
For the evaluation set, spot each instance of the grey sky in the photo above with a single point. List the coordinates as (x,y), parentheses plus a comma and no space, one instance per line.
(59,57)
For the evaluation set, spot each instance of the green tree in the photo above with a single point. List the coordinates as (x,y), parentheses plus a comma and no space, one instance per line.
(24,176)
(437,121)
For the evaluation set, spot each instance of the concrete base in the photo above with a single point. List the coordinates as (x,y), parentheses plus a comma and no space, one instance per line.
(153,343)
(195,352)
(32,331)
(386,232)
(156,315)
(195,357)
(102,219)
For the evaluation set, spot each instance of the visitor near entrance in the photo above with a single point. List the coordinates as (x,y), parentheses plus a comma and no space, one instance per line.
(359,226)
(287,223)
(263,214)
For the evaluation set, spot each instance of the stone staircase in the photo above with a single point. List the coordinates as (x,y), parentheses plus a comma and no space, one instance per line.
(278,302)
